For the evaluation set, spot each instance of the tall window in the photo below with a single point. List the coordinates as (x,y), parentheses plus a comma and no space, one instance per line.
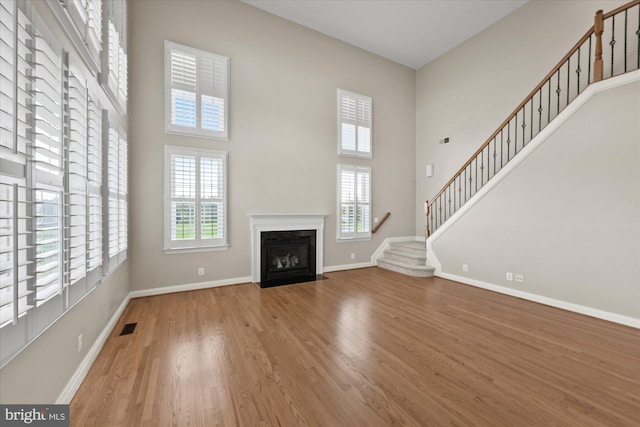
(354,124)
(114,71)
(82,20)
(196,91)
(354,202)
(114,193)
(52,180)
(195,198)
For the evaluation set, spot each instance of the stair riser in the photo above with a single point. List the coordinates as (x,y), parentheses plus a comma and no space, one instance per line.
(405,259)
(407,249)
(403,270)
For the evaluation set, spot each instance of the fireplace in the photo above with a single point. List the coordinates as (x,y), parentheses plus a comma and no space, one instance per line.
(313,260)
(287,257)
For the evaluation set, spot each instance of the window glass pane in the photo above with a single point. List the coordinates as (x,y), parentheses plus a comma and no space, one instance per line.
(211,221)
(183,221)
(212,113)
(183,108)
(348,136)
(211,179)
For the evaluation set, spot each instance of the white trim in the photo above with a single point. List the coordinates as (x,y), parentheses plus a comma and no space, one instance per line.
(188,287)
(348,266)
(284,222)
(564,305)
(83,369)
(378,253)
(537,141)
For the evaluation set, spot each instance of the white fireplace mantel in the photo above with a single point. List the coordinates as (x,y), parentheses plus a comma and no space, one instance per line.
(284,222)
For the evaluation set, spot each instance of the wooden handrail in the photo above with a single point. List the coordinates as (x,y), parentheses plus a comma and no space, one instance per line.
(384,218)
(555,69)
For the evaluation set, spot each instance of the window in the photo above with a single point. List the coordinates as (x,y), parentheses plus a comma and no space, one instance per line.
(113,76)
(354,202)
(195,199)
(354,124)
(82,20)
(114,194)
(58,199)
(196,91)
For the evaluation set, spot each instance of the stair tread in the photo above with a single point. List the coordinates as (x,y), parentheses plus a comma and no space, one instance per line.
(405,254)
(411,244)
(405,265)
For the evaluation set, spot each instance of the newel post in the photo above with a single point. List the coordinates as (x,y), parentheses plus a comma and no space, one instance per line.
(426,214)
(598,29)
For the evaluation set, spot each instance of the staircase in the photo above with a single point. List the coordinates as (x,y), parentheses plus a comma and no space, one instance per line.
(408,257)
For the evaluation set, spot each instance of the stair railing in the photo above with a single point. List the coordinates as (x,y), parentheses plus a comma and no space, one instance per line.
(558,89)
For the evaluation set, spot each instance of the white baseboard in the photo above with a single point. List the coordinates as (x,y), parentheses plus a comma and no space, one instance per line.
(576,308)
(189,287)
(83,369)
(348,267)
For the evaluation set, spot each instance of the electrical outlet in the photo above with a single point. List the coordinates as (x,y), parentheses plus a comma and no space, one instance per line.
(201,271)
(520,278)
(465,267)
(80,343)
(353,256)
(509,277)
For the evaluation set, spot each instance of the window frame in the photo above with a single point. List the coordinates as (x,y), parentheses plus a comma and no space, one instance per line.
(198,131)
(170,246)
(342,236)
(342,93)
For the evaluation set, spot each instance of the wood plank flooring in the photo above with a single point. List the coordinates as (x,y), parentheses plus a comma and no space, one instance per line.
(363,348)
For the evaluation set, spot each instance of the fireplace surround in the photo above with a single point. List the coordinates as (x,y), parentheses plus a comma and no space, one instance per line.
(265,223)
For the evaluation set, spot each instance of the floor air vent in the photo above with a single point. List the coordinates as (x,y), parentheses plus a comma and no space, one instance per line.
(128,328)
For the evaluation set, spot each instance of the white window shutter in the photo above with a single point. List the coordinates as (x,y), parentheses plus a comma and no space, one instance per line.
(7,72)
(354,202)
(354,124)
(94,184)
(196,92)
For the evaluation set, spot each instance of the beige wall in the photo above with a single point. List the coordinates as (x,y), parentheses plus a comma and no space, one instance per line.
(469,91)
(282,152)
(567,217)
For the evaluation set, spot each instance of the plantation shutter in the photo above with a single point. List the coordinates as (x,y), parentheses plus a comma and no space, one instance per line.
(183,90)
(197,91)
(183,200)
(213,84)
(77,10)
(122,192)
(354,202)
(14,257)
(354,124)
(48,155)
(77,181)
(112,192)
(93,37)
(94,184)
(212,189)
(7,72)
(24,119)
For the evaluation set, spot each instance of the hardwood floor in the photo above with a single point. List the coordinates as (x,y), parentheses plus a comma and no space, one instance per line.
(364,348)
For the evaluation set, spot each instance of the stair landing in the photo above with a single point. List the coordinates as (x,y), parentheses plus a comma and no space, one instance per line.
(408,257)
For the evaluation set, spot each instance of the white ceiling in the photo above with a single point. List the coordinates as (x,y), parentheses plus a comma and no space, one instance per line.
(410,32)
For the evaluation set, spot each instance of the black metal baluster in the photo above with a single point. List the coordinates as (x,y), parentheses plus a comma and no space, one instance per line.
(495,154)
(625,40)
(638,34)
(488,148)
(515,135)
(524,126)
(501,148)
(612,43)
(558,90)
(540,111)
(476,178)
(568,75)
(531,120)
(465,185)
(508,140)
(549,103)
(578,70)
(589,62)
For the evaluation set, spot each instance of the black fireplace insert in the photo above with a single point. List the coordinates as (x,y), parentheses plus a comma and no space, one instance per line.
(287,257)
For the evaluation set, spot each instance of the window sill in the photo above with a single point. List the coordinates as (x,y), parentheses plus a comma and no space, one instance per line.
(193,250)
(358,239)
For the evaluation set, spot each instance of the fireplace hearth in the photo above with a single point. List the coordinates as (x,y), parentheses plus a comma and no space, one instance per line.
(287,257)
